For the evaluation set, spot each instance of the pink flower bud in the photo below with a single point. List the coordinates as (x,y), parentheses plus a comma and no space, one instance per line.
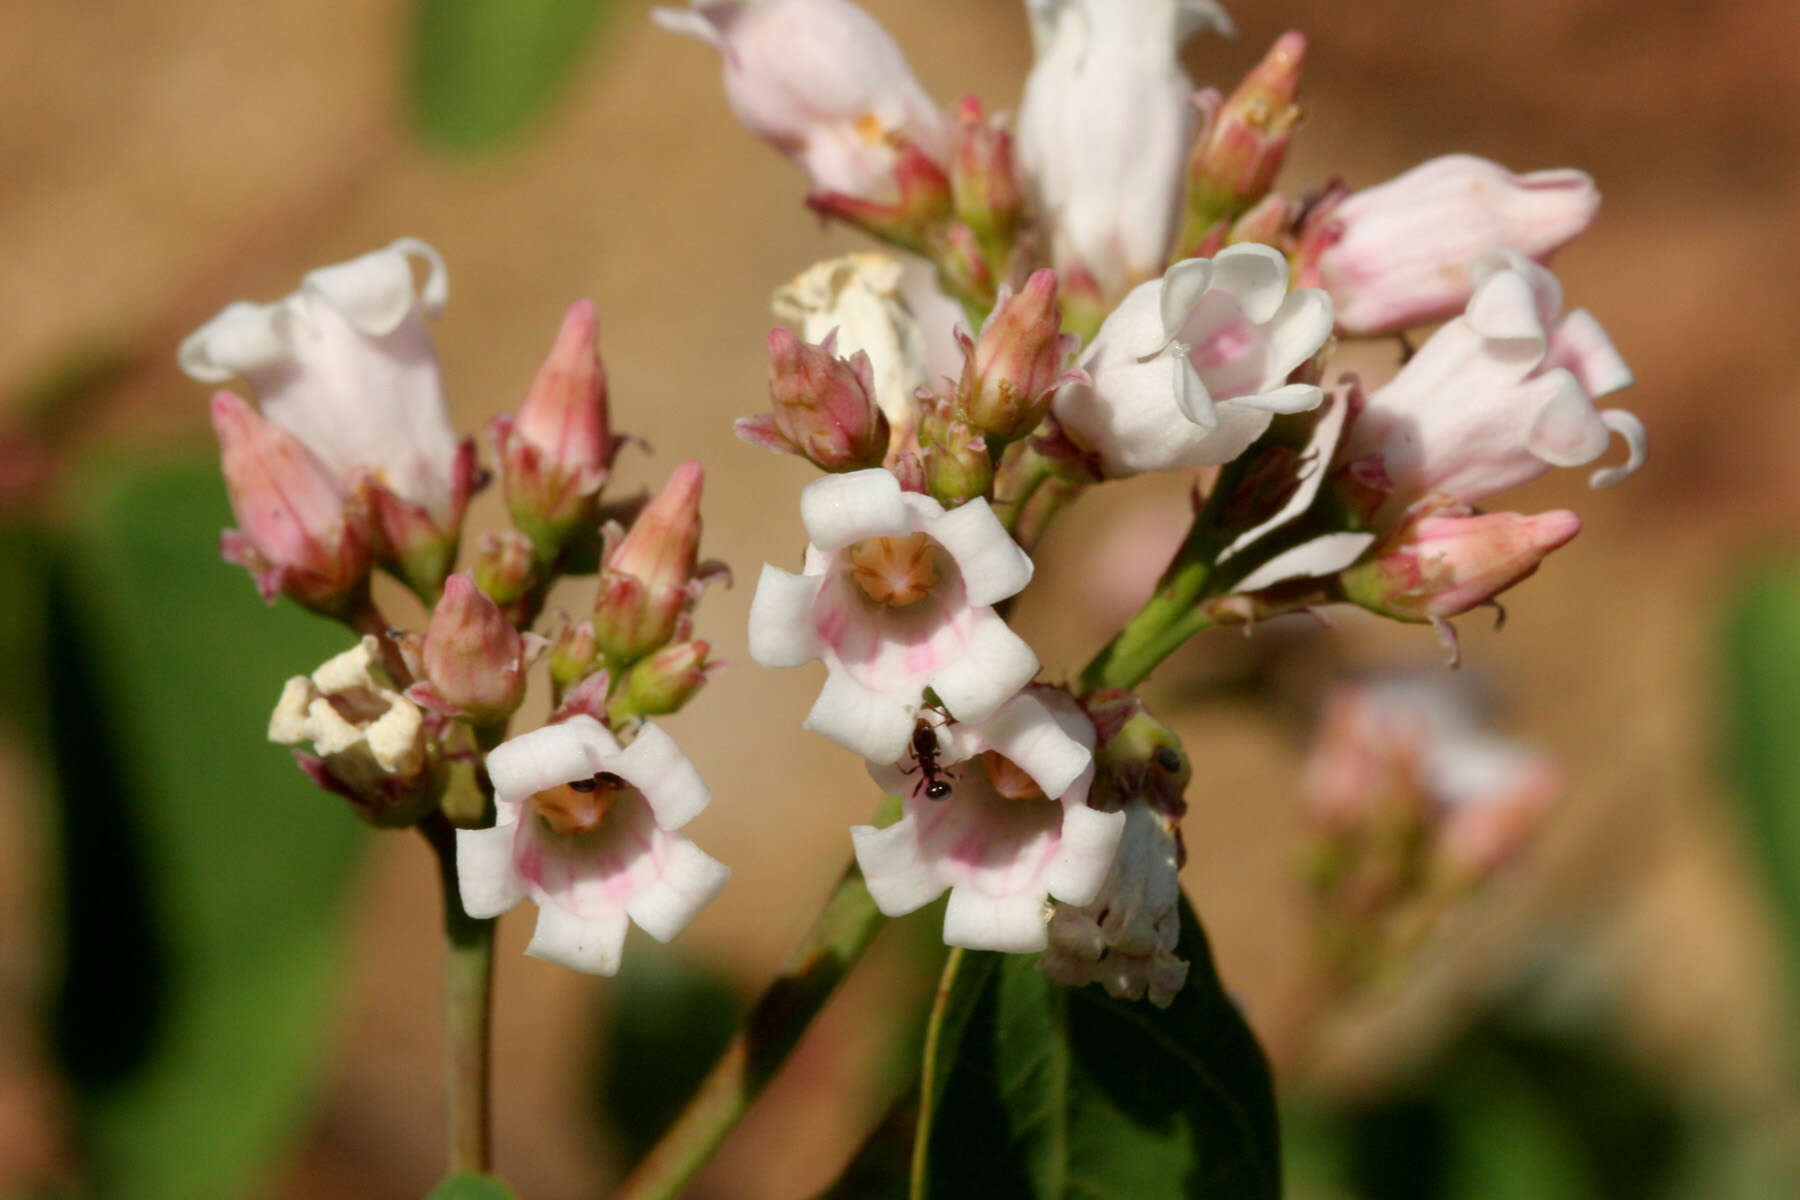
(299,533)
(574,654)
(1017,361)
(1442,565)
(988,195)
(663,682)
(1401,254)
(824,406)
(647,580)
(821,81)
(957,464)
(558,452)
(473,658)
(503,567)
(1234,162)
(912,220)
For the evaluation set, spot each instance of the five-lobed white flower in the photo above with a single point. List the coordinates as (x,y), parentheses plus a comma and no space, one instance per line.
(1104,130)
(1190,369)
(821,81)
(1002,854)
(1500,395)
(369,735)
(1125,937)
(896,596)
(345,364)
(587,831)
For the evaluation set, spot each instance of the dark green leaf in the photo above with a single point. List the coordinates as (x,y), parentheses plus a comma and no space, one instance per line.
(481,69)
(205,877)
(472,1187)
(1054,1093)
(1762,660)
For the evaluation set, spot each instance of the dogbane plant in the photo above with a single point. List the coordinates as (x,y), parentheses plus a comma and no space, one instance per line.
(1107,285)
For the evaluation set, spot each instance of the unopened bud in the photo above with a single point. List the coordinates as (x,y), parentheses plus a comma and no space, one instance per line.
(1142,760)
(823,406)
(474,660)
(556,455)
(911,221)
(503,567)
(1235,160)
(1011,369)
(645,582)
(1441,565)
(957,465)
(963,266)
(988,196)
(299,533)
(663,682)
(1266,222)
(574,655)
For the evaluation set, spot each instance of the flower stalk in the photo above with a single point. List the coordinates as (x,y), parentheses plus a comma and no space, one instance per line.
(468,1012)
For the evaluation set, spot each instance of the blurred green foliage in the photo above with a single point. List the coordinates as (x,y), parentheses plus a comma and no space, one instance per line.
(472,1187)
(203,878)
(481,70)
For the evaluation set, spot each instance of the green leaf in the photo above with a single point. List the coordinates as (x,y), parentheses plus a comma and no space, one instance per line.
(1762,661)
(204,877)
(482,69)
(472,1187)
(1056,1093)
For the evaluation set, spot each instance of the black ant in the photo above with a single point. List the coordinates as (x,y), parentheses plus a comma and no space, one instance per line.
(925,752)
(611,782)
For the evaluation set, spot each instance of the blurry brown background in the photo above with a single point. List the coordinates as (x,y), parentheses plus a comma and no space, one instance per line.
(160,160)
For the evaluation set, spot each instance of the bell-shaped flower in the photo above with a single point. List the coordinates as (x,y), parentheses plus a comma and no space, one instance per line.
(346,365)
(1399,254)
(1191,368)
(896,596)
(299,532)
(1500,395)
(821,81)
(557,453)
(370,744)
(1125,938)
(588,831)
(1012,831)
(1104,129)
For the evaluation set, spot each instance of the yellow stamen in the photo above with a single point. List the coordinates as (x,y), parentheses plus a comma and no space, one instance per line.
(1009,779)
(869,128)
(895,571)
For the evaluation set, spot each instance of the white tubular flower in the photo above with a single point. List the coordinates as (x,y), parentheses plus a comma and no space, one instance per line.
(1191,368)
(1124,939)
(897,596)
(1013,831)
(1399,255)
(346,365)
(1104,130)
(821,81)
(1500,395)
(587,831)
(862,297)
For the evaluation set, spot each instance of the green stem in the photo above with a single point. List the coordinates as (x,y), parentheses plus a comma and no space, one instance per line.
(468,1009)
(769,1034)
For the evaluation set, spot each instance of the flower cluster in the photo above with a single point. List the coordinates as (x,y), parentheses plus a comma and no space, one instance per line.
(348,461)
(1110,285)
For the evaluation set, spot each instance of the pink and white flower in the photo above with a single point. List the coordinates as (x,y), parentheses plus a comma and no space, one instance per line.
(821,81)
(1191,368)
(895,597)
(1014,831)
(1104,130)
(1500,395)
(587,831)
(1400,254)
(346,365)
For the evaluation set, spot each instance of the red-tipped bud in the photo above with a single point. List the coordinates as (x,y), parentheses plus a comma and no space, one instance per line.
(909,222)
(662,683)
(557,453)
(474,660)
(984,183)
(299,533)
(956,462)
(1235,160)
(824,406)
(645,582)
(1010,370)
(505,570)
(963,264)
(574,655)
(1441,565)
(1266,222)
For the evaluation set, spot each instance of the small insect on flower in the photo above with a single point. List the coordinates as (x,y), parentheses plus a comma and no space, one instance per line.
(925,752)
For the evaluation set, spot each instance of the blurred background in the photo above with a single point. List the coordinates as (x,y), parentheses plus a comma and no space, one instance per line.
(217,984)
